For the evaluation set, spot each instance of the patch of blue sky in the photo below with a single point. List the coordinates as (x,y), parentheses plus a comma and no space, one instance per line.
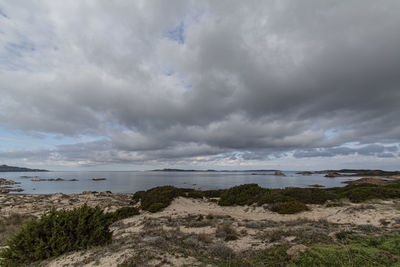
(21,46)
(176,34)
(3,14)
(330,133)
(17,140)
(10,57)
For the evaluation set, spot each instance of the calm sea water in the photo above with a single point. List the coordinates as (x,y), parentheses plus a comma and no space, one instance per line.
(130,182)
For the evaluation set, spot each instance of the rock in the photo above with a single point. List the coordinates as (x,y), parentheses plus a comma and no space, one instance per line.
(7,182)
(368,180)
(279,173)
(38,179)
(294,252)
(98,179)
(290,238)
(73,180)
(333,174)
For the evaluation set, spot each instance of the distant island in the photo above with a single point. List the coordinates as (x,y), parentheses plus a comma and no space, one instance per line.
(183,170)
(6,168)
(357,172)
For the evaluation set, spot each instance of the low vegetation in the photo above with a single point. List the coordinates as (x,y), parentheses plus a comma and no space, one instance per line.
(372,251)
(160,197)
(381,251)
(61,231)
(284,201)
(289,207)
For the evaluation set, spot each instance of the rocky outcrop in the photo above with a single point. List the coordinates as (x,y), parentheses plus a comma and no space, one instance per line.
(279,173)
(98,179)
(333,175)
(50,179)
(4,181)
(375,181)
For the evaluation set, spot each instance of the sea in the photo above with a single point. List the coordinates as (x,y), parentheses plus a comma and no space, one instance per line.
(133,181)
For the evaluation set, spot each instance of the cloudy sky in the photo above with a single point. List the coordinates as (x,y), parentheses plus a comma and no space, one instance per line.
(134,85)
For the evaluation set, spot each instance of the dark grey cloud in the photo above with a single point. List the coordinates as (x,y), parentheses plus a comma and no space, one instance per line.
(244,80)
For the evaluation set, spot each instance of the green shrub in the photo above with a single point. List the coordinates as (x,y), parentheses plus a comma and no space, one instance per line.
(272,196)
(309,195)
(289,207)
(122,213)
(56,233)
(241,195)
(157,206)
(213,193)
(160,197)
(343,235)
(362,194)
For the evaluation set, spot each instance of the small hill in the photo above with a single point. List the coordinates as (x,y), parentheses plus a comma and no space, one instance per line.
(6,168)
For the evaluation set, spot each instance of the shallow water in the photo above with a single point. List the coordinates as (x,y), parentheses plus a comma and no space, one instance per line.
(130,182)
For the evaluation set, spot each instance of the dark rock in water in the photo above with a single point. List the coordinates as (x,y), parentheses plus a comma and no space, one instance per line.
(98,179)
(279,173)
(333,175)
(73,180)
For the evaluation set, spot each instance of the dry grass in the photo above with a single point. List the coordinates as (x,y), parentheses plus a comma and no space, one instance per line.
(11,224)
(226,231)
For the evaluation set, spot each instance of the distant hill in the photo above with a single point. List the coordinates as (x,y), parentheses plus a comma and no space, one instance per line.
(6,168)
(183,170)
(360,172)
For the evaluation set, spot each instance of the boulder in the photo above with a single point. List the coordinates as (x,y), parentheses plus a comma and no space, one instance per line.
(294,252)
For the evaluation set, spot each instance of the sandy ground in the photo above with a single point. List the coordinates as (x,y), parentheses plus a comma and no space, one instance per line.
(144,238)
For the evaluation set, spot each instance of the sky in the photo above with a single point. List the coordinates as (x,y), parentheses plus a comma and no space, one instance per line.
(137,85)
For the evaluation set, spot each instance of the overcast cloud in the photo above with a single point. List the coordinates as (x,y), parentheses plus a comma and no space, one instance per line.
(201,83)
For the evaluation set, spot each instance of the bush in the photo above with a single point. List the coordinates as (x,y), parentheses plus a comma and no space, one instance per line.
(157,206)
(56,233)
(309,195)
(289,207)
(160,197)
(123,213)
(241,195)
(272,196)
(362,194)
